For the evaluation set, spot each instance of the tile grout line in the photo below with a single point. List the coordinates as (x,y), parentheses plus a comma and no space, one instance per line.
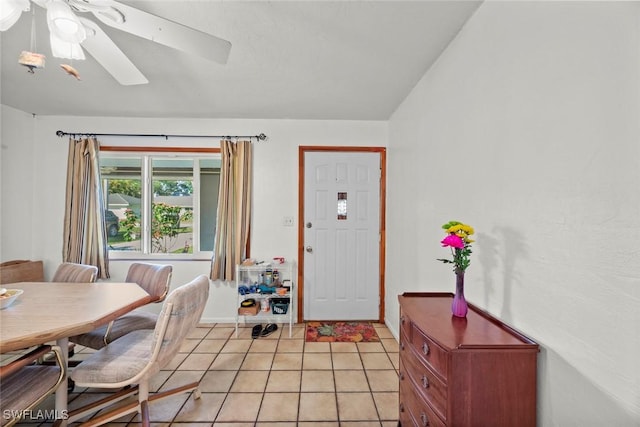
(201,341)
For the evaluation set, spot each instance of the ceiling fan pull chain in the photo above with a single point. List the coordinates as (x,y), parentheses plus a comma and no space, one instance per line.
(33,30)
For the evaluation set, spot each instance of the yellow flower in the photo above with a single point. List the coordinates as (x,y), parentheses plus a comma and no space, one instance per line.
(462,230)
(455,228)
(466,228)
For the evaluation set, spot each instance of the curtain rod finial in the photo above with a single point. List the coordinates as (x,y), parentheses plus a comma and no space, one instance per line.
(262,137)
(60,134)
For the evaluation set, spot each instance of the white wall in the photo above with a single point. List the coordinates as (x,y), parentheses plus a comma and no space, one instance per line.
(16,153)
(34,173)
(527,128)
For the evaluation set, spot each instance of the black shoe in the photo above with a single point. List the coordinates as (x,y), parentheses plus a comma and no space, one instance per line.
(255,332)
(269,329)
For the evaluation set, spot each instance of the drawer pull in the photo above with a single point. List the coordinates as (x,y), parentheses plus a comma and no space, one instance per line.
(425,420)
(401,376)
(425,381)
(402,320)
(401,407)
(425,348)
(401,346)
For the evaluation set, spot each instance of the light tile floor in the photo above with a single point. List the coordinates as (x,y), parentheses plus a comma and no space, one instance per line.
(271,381)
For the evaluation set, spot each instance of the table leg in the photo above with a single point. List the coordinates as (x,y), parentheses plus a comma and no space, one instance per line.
(61,392)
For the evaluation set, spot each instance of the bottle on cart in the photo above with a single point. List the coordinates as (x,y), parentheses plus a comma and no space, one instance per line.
(264,304)
(276,278)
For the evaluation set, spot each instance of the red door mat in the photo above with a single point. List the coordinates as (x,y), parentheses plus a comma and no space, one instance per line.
(341,332)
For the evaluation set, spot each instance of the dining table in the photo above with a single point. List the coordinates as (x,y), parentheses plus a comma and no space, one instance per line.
(54,311)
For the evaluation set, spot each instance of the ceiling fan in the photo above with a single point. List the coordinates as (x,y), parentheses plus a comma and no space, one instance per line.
(70,33)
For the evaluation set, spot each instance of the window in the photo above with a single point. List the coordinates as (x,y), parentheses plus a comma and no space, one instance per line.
(160,204)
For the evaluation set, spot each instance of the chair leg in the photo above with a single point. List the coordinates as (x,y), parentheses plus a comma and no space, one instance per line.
(143,391)
(102,403)
(144,413)
(141,405)
(114,414)
(182,389)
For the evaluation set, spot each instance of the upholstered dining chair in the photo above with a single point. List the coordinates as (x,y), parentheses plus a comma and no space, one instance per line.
(153,278)
(130,362)
(26,384)
(76,273)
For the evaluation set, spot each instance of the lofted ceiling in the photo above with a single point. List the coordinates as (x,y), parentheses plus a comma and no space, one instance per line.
(343,60)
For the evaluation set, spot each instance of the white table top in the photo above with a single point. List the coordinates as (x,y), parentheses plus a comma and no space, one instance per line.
(48,311)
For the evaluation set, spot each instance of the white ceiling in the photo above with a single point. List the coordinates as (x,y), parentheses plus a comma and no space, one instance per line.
(352,60)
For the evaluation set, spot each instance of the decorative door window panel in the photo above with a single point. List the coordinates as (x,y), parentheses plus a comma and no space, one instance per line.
(342,206)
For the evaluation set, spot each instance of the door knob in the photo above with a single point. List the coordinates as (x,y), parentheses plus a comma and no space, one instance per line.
(309,249)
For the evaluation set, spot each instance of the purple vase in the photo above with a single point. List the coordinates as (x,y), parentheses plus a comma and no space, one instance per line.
(459,305)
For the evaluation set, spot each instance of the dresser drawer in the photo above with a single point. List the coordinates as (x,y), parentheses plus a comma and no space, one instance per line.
(431,353)
(424,382)
(414,411)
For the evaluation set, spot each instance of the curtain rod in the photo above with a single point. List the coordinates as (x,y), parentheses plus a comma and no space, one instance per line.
(260,137)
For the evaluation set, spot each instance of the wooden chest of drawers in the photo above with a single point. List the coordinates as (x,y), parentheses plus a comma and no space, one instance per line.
(473,371)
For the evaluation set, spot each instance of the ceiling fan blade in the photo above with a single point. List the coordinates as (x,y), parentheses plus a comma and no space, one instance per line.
(168,33)
(105,51)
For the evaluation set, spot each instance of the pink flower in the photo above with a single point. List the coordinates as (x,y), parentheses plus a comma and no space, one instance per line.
(454,241)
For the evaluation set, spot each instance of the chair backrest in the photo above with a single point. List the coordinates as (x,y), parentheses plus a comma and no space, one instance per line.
(21,271)
(76,273)
(25,384)
(153,278)
(180,314)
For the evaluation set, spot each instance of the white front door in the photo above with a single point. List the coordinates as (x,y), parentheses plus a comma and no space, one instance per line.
(341,235)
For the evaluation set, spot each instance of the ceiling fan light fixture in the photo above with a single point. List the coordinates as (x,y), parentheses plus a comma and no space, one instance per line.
(10,11)
(63,49)
(31,60)
(64,23)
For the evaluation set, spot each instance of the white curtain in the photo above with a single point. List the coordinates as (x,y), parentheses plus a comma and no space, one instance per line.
(234,209)
(85,239)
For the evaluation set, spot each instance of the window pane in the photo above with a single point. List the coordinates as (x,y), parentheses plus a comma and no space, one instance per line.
(122,184)
(209,189)
(172,206)
(161,203)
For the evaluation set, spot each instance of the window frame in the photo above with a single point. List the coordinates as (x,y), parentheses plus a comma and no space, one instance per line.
(146,177)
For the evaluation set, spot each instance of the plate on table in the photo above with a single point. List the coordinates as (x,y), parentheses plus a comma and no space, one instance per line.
(9,296)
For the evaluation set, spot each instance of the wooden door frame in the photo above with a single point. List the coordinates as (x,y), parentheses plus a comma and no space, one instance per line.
(382,152)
